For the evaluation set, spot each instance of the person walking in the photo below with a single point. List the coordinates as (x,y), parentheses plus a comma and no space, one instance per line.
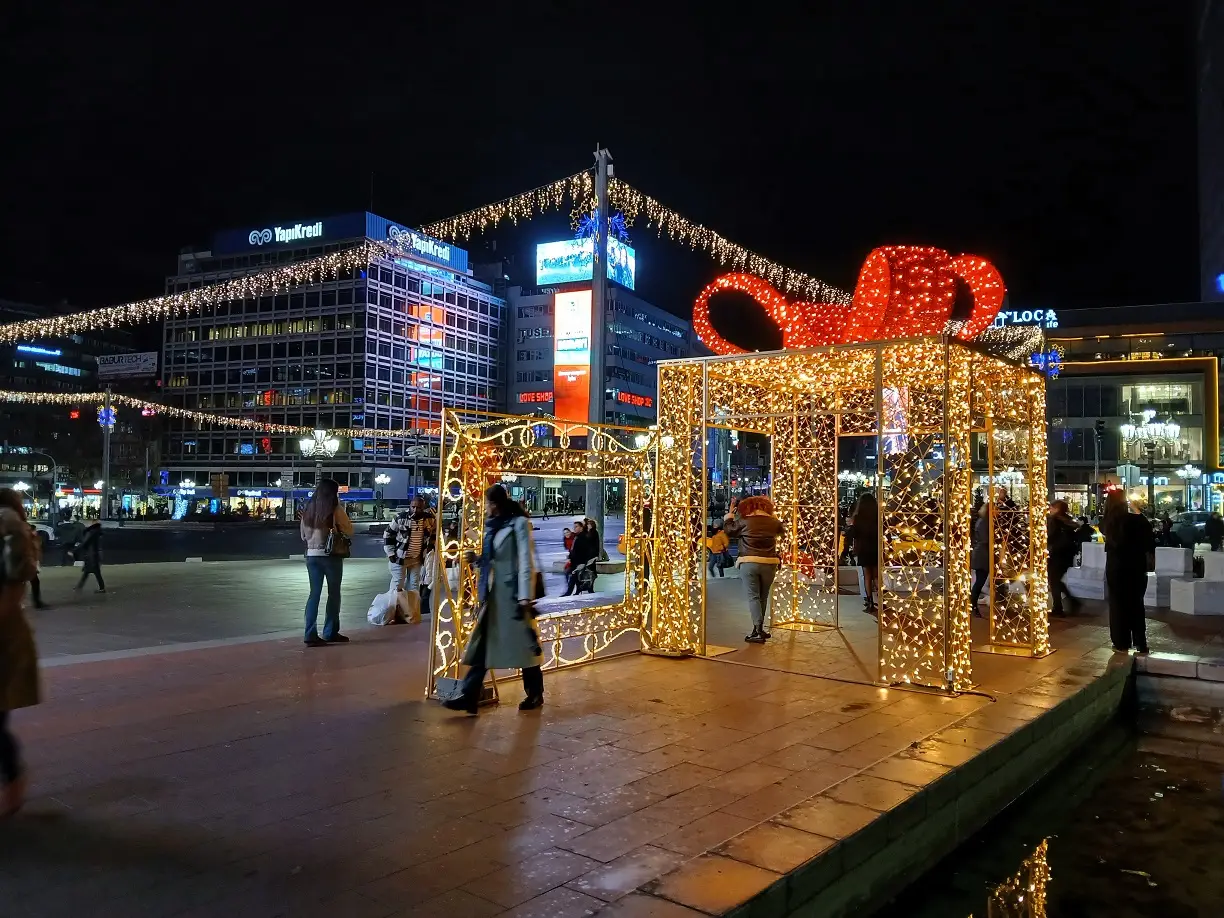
(717,544)
(583,552)
(327,532)
(864,535)
(1213,529)
(35,583)
(979,556)
(1062,543)
(406,540)
(505,636)
(18,655)
(89,550)
(752,521)
(1130,547)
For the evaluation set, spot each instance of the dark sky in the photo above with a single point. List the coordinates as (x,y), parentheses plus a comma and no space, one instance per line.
(1055,138)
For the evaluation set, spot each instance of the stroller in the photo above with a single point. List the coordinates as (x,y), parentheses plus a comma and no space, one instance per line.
(584,577)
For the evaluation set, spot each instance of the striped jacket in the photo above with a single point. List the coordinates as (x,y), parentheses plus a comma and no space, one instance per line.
(407,539)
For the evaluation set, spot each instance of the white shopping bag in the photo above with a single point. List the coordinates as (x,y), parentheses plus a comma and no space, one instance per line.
(382,609)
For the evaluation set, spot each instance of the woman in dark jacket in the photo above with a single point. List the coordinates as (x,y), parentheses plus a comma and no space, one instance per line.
(863,534)
(979,556)
(1129,541)
(586,548)
(752,521)
(89,550)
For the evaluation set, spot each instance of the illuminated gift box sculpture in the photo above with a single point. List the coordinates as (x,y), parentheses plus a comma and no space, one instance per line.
(951,416)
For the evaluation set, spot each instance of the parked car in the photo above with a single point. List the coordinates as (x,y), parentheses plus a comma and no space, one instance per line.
(46,535)
(1188,527)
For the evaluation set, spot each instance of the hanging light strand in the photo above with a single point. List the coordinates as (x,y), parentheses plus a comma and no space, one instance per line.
(579,189)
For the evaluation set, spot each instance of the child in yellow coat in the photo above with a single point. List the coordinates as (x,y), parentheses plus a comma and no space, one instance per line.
(717,543)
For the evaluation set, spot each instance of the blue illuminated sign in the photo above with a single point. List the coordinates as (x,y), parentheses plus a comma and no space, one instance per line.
(1046,318)
(1049,363)
(41,351)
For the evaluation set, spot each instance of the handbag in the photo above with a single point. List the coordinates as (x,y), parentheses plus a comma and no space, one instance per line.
(338,545)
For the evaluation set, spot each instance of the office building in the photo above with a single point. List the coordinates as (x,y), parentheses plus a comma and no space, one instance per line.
(381,349)
(1209,35)
(41,440)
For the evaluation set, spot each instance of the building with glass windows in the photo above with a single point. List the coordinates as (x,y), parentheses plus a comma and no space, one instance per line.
(1138,392)
(383,349)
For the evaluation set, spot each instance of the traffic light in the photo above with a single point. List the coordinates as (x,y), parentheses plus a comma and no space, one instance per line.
(1100,429)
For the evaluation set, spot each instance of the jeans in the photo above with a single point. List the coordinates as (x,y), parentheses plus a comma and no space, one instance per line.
(716,564)
(405,575)
(980,576)
(331,569)
(533,678)
(758,578)
(10,761)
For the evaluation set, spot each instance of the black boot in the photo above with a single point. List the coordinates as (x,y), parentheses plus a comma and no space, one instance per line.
(468,703)
(531,702)
(757,637)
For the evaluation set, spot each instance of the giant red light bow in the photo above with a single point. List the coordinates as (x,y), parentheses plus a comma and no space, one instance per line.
(902,292)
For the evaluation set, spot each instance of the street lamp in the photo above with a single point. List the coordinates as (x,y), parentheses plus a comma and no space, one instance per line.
(1186,473)
(382,479)
(187,484)
(21,486)
(320,446)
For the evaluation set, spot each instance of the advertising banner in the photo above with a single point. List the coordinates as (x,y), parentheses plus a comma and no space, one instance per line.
(126,366)
(573,260)
(572,355)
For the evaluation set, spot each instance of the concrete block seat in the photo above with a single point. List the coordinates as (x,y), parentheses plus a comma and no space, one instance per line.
(1086,582)
(1197,597)
(1159,585)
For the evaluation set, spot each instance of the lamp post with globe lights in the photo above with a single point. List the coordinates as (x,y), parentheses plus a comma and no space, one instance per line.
(1188,473)
(320,446)
(382,479)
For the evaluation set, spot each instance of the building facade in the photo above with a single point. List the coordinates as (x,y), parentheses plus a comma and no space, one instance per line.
(382,348)
(1210,72)
(1137,397)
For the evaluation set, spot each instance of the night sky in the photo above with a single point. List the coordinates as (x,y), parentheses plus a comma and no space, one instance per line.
(1056,139)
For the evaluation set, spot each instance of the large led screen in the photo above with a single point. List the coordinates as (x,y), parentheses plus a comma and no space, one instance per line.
(571,260)
(572,355)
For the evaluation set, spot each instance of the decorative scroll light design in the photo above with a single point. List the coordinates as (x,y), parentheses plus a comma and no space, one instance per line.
(477,455)
(804,400)
(1026,893)
(902,292)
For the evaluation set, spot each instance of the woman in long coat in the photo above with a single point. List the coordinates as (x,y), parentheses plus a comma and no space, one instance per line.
(18,656)
(505,636)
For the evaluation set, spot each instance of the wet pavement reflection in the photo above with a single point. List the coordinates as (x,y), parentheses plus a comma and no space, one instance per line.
(1128,835)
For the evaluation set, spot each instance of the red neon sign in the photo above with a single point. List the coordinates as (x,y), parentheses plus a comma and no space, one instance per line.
(532,398)
(638,401)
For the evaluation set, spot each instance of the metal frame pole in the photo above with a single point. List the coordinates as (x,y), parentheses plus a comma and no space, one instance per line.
(104,510)
(949,676)
(879,489)
(705,502)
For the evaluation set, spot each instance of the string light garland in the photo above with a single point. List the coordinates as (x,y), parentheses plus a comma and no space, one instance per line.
(902,292)
(579,190)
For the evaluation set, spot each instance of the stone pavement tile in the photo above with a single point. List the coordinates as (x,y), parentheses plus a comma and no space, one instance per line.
(638,905)
(593,781)
(444,838)
(876,793)
(940,753)
(864,754)
(662,758)
(652,739)
(426,878)
(727,758)
(828,817)
(458,903)
(767,802)
(520,842)
(818,778)
(705,833)
(689,805)
(676,779)
(561,902)
(775,847)
(855,731)
(978,739)
(619,837)
(629,871)
(705,736)
(713,884)
(748,778)
(796,757)
(511,886)
(908,771)
(604,808)
(524,809)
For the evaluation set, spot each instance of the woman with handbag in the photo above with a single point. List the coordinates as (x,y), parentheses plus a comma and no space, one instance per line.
(328,534)
(1130,552)
(505,636)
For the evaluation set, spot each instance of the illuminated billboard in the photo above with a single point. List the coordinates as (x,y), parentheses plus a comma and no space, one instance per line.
(571,260)
(572,355)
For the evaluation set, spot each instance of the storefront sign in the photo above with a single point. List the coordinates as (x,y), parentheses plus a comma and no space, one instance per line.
(1046,318)
(281,234)
(637,401)
(532,398)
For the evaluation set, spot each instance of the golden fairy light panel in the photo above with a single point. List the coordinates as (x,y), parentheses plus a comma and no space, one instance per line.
(934,404)
(477,454)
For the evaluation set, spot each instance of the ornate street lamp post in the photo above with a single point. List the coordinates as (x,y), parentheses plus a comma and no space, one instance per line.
(382,479)
(320,446)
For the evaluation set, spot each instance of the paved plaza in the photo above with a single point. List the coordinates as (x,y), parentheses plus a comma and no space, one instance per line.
(248,776)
